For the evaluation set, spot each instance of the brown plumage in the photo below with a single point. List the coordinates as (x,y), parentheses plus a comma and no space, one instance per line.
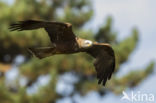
(65,42)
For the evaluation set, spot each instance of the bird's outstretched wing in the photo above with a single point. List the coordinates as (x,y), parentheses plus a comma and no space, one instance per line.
(57,31)
(105,61)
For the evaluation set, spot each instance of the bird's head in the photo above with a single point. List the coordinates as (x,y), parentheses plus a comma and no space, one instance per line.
(86,43)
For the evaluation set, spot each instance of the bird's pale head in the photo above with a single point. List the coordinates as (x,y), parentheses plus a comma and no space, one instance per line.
(86,43)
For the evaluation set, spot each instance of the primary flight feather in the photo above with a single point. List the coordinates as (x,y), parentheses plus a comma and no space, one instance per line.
(64,41)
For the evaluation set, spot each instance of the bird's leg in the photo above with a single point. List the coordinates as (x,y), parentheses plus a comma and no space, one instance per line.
(42,52)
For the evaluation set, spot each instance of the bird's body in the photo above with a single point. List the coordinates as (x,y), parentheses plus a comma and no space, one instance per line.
(65,42)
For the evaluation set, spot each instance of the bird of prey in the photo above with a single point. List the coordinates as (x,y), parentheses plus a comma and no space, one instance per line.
(64,41)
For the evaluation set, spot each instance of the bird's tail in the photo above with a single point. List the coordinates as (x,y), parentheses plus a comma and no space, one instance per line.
(27,25)
(42,52)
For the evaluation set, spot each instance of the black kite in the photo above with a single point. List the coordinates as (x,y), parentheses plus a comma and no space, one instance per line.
(65,42)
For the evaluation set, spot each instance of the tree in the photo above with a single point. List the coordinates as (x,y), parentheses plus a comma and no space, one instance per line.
(79,66)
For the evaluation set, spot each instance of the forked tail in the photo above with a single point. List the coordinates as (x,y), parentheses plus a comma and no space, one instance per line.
(42,52)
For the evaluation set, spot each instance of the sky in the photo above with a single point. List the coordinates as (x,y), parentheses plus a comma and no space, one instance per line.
(126,15)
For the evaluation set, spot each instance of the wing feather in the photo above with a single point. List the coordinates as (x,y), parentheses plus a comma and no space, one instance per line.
(57,31)
(104,61)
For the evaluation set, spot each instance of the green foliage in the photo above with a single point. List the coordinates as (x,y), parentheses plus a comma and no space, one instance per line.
(5,98)
(125,48)
(78,12)
(106,33)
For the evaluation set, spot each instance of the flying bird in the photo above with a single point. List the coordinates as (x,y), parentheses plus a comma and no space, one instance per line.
(64,41)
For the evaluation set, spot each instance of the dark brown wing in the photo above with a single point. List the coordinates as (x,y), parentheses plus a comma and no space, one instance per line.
(105,61)
(57,31)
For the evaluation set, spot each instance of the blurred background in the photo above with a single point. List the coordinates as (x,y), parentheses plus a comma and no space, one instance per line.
(128,25)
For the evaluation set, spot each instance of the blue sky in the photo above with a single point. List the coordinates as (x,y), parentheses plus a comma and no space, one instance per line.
(126,15)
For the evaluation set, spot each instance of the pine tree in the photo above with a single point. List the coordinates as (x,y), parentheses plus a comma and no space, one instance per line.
(79,66)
